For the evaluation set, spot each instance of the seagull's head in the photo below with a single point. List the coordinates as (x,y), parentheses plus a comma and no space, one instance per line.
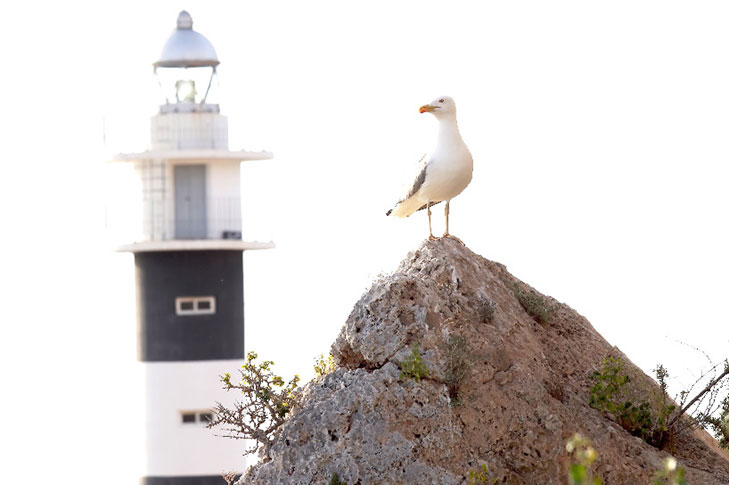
(441,107)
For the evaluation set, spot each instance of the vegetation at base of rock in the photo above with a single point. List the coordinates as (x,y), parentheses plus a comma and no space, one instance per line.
(267,402)
(336,481)
(670,474)
(657,422)
(457,365)
(610,395)
(324,366)
(581,456)
(535,304)
(476,477)
(413,367)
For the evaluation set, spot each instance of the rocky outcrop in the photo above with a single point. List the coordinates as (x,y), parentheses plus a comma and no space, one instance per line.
(525,394)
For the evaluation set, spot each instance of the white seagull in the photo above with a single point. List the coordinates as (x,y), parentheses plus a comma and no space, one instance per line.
(446,173)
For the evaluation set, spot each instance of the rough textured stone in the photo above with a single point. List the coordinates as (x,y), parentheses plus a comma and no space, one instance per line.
(526,394)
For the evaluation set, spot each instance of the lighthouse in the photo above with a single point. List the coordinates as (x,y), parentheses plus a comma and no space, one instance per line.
(188,249)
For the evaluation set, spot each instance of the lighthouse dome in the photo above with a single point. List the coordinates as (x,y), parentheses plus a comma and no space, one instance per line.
(187,48)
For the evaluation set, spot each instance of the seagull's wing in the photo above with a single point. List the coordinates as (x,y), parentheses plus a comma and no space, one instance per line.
(419,181)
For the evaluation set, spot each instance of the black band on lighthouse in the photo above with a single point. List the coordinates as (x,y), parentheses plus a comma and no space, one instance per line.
(188,480)
(168,282)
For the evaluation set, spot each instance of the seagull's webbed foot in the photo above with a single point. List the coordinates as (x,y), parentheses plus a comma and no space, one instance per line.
(451,236)
(433,238)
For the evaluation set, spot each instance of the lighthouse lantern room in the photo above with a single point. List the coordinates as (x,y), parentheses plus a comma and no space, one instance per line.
(188,248)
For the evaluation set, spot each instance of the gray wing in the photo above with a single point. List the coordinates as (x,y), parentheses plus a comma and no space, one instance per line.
(419,181)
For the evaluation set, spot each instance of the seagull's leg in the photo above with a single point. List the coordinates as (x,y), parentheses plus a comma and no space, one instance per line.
(430,225)
(447,212)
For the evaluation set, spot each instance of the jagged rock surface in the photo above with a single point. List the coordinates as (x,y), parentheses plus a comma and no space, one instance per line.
(527,391)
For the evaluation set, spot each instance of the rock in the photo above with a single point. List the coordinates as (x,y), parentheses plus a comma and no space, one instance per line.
(525,393)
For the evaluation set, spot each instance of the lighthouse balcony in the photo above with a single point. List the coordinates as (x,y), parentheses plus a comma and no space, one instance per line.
(160,223)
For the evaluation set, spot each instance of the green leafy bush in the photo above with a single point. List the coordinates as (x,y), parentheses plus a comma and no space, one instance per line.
(413,367)
(535,304)
(267,401)
(608,395)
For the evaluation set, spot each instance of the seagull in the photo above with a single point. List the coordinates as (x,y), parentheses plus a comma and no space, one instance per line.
(446,173)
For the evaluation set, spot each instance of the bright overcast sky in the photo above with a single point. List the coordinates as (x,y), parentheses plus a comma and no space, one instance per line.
(599,134)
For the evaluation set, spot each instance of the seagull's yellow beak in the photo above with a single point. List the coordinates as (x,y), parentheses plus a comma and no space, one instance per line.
(427,107)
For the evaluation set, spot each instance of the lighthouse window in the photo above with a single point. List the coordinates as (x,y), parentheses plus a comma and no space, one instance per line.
(201,417)
(195,305)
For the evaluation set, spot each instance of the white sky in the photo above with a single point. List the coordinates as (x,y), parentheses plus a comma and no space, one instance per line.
(598,132)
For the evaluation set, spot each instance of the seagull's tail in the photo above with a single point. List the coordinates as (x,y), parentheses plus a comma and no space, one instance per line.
(406,207)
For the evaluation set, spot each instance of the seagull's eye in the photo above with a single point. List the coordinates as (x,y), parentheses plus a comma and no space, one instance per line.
(441,100)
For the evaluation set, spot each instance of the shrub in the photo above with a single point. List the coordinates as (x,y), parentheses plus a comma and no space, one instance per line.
(708,410)
(324,366)
(267,402)
(581,457)
(457,365)
(720,424)
(608,395)
(658,422)
(535,304)
(413,367)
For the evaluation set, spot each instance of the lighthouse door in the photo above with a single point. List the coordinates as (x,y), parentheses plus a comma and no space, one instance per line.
(190,210)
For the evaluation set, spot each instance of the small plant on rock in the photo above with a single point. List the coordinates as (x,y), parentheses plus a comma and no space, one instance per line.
(335,480)
(324,366)
(581,457)
(457,365)
(267,401)
(486,309)
(413,367)
(480,477)
(535,304)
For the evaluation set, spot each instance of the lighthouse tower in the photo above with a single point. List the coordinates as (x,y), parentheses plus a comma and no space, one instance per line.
(188,256)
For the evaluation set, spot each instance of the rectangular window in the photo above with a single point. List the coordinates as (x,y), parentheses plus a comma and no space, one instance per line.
(196,417)
(195,305)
